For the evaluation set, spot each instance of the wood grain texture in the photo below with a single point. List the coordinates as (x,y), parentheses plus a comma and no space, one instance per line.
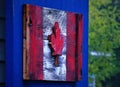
(74,46)
(71,44)
(79,44)
(32,43)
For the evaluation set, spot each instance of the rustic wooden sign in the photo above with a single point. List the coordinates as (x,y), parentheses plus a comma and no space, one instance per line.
(52,44)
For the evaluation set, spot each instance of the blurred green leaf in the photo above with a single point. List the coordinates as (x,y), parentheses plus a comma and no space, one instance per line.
(104,39)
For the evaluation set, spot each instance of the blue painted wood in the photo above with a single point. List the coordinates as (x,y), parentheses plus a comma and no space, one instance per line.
(9,44)
(14,41)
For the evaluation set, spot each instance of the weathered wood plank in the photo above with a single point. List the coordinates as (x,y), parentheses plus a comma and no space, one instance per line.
(79,45)
(32,52)
(33,44)
(71,39)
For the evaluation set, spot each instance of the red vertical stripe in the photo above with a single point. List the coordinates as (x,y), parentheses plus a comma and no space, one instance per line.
(74,46)
(71,39)
(36,43)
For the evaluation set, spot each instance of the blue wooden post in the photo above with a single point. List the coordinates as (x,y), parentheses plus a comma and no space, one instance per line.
(14,41)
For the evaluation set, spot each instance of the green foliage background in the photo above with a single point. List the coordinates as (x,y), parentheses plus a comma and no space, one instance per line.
(104,40)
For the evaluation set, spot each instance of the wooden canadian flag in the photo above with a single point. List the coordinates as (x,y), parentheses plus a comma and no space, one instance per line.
(52,44)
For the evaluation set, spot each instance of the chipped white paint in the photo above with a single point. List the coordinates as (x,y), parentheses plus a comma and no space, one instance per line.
(51,72)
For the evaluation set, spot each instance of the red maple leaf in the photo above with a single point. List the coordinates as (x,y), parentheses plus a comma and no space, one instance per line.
(56,41)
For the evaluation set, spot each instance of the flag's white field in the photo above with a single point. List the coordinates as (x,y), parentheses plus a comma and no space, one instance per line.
(50,71)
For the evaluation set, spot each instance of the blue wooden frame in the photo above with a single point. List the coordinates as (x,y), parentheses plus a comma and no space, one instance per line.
(14,41)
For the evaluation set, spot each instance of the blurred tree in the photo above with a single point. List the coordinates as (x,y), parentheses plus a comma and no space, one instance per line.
(104,39)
